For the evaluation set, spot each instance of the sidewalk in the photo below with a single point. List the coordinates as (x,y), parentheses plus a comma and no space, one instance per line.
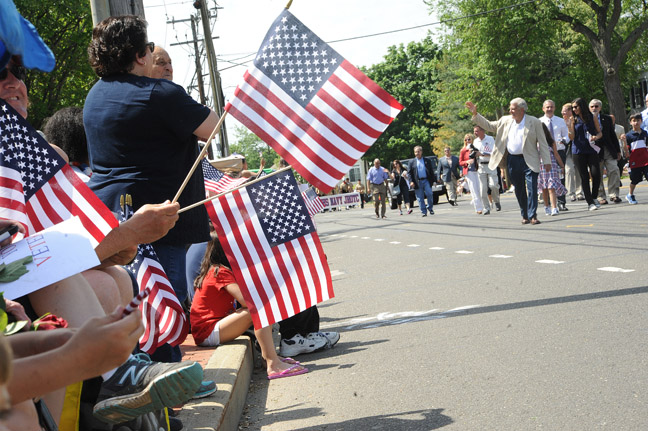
(230,366)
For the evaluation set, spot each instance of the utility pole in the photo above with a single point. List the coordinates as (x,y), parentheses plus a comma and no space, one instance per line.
(214,76)
(199,75)
(102,9)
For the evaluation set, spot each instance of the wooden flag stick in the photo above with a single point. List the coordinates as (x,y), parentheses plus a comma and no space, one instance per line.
(288,5)
(200,156)
(211,198)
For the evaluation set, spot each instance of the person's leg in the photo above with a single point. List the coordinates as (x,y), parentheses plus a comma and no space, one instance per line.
(482,176)
(552,197)
(420,198)
(516,175)
(376,198)
(581,165)
(563,156)
(493,183)
(383,200)
(105,288)
(302,323)
(429,195)
(473,186)
(545,197)
(124,284)
(613,175)
(531,180)
(595,172)
(195,254)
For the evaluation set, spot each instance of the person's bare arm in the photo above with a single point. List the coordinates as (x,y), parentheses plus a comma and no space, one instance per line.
(148,224)
(100,345)
(204,131)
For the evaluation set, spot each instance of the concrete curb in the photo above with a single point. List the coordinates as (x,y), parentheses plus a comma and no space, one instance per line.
(230,366)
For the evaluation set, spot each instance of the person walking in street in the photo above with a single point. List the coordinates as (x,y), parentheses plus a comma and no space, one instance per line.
(468,162)
(399,175)
(584,131)
(421,179)
(484,145)
(448,172)
(376,178)
(559,134)
(610,154)
(520,135)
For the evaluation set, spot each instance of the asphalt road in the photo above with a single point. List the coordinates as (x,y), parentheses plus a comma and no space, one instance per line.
(465,322)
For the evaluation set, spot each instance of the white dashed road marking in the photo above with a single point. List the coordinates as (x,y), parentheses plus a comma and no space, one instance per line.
(500,256)
(464,252)
(365,237)
(554,262)
(394,242)
(379,239)
(437,248)
(413,245)
(614,269)
(335,273)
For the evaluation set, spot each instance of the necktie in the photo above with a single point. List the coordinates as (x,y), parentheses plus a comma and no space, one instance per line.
(551,130)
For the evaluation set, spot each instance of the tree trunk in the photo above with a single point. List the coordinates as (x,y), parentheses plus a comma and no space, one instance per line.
(614,93)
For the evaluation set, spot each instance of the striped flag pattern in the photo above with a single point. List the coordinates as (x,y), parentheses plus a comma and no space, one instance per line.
(163,315)
(217,181)
(313,107)
(37,187)
(313,202)
(273,248)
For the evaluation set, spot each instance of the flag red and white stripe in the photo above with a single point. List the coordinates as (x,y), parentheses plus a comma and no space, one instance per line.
(37,187)
(273,248)
(313,107)
(217,181)
(313,202)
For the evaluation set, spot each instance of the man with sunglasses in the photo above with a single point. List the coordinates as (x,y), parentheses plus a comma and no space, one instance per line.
(610,154)
(12,87)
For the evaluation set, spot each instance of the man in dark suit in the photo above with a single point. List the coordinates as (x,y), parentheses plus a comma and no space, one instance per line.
(610,154)
(421,174)
(448,172)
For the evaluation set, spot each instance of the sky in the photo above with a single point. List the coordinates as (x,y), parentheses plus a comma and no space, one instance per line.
(242,24)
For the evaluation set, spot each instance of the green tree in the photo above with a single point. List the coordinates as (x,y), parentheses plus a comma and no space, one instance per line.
(410,75)
(252,147)
(66,27)
(557,50)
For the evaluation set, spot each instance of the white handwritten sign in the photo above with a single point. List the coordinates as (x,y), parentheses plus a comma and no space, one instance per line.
(58,252)
(346,199)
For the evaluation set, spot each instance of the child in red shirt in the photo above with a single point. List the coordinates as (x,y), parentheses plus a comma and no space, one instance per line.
(216,320)
(636,140)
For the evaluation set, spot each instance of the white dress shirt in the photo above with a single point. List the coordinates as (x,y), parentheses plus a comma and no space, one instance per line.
(516,137)
(485,147)
(560,130)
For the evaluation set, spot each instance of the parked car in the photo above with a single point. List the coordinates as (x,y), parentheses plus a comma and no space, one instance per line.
(437,190)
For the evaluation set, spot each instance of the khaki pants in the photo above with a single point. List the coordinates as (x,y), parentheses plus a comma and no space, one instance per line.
(379,192)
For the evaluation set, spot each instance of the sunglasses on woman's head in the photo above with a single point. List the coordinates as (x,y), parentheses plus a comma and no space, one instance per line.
(18,71)
(151,46)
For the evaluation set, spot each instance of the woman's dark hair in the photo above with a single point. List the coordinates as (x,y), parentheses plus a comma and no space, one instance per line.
(116,41)
(585,114)
(65,129)
(550,140)
(214,255)
(397,162)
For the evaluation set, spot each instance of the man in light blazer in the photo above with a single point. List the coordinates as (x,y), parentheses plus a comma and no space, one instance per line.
(448,172)
(522,139)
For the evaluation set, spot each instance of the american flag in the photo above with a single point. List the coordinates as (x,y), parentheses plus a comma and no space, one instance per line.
(217,181)
(163,316)
(37,187)
(273,248)
(313,202)
(313,107)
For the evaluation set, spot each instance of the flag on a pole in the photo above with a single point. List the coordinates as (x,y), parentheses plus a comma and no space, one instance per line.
(217,181)
(313,202)
(273,248)
(37,187)
(313,107)
(163,315)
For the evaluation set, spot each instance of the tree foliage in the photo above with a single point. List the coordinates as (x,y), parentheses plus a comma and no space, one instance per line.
(550,49)
(66,27)
(410,74)
(252,147)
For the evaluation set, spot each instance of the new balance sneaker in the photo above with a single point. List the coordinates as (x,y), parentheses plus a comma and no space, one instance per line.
(331,338)
(547,211)
(554,211)
(298,345)
(140,386)
(206,388)
(631,199)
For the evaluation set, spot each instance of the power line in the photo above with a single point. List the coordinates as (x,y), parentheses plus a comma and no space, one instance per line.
(488,12)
